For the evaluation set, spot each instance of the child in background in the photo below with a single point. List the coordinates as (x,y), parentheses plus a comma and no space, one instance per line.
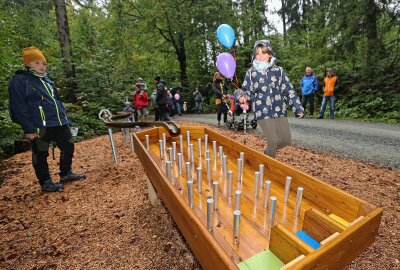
(129,109)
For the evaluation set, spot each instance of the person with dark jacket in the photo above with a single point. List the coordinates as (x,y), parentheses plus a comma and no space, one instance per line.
(198,99)
(308,85)
(220,89)
(35,104)
(161,98)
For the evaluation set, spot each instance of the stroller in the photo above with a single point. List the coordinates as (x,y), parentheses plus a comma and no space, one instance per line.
(239,117)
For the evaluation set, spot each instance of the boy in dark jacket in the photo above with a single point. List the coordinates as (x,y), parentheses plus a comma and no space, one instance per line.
(36,106)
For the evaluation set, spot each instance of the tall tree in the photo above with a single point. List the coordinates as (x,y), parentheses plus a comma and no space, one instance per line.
(66,49)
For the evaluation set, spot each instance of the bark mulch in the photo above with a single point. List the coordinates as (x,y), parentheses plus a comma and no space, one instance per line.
(107,221)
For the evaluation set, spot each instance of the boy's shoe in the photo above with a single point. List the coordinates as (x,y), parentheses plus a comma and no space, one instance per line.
(311,116)
(219,123)
(70,177)
(320,117)
(50,186)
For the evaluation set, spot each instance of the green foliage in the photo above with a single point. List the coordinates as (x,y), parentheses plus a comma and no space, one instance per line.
(115,42)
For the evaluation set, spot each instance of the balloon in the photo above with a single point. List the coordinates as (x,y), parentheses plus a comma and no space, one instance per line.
(226,65)
(226,35)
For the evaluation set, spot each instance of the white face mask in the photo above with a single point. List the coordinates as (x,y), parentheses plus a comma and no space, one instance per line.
(260,65)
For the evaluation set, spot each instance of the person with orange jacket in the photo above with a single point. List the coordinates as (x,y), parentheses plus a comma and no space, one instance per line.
(331,84)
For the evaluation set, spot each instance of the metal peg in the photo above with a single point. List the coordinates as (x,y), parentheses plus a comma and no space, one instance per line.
(298,200)
(287,188)
(267,191)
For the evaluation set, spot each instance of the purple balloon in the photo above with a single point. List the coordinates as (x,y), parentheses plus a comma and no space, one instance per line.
(226,65)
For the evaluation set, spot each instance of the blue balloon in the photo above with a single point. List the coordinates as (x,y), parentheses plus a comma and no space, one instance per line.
(226,35)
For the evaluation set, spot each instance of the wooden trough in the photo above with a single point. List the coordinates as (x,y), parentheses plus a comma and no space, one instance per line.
(233,218)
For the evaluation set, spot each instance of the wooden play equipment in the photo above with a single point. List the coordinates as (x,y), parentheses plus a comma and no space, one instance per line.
(240,209)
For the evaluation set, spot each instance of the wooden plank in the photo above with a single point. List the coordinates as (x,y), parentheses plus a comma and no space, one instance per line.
(293,262)
(217,245)
(212,257)
(323,242)
(344,248)
(319,226)
(286,246)
(326,198)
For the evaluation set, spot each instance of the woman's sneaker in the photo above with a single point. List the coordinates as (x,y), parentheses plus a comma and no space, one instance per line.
(50,186)
(70,177)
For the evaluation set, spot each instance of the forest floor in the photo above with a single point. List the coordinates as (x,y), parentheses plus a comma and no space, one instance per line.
(107,221)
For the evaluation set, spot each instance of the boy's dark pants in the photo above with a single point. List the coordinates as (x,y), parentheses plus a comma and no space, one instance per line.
(40,151)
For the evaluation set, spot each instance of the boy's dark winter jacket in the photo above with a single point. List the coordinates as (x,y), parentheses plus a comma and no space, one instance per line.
(35,102)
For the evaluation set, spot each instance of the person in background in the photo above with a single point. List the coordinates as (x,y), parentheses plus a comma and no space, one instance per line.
(308,85)
(171,105)
(178,101)
(35,104)
(198,99)
(267,85)
(129,109)
(331,84)
(141,101)
(142,86)
(154,106)
(220,89)
(162,98)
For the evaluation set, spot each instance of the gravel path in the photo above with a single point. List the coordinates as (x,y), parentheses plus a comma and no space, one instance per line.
(368,142)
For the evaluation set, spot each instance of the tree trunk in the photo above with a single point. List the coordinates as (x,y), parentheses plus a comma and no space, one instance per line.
(371,13)
(283,14)
(180,50)
(66,50)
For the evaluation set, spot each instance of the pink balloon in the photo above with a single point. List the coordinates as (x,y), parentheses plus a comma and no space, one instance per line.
(226,65)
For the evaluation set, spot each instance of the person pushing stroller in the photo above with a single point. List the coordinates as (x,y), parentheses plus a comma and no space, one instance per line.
(236,109)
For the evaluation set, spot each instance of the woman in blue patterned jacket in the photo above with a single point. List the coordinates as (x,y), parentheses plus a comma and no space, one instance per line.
(269,89)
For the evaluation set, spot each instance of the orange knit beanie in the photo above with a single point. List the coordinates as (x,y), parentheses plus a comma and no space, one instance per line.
(31,54)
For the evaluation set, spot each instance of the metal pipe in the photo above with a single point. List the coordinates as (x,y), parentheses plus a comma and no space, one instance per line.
(287,188)
(180,163)
(267,191)
(174,150)
(273,210)
(238,193)
(210,203)
(199,180)
(230,176)
(199,147)
(239,169)
(256,183)
(131,139)
(208,167)
(113,149)
(160,145)
(205,143)
(188,174)
(181,143)
(188,137)
(261,170)
(224,165)
(242,158)
(170,154)
(191,151)
(190,192)
(147,142)
(236,223)
(298,200)
(220,155)
(215,195)
(207,154)
(215,150)
(164,139)
(168,169)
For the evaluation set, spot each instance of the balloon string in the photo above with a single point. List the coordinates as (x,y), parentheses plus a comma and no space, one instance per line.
(234,56)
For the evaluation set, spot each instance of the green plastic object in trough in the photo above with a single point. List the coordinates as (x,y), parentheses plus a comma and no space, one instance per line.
(265,260)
